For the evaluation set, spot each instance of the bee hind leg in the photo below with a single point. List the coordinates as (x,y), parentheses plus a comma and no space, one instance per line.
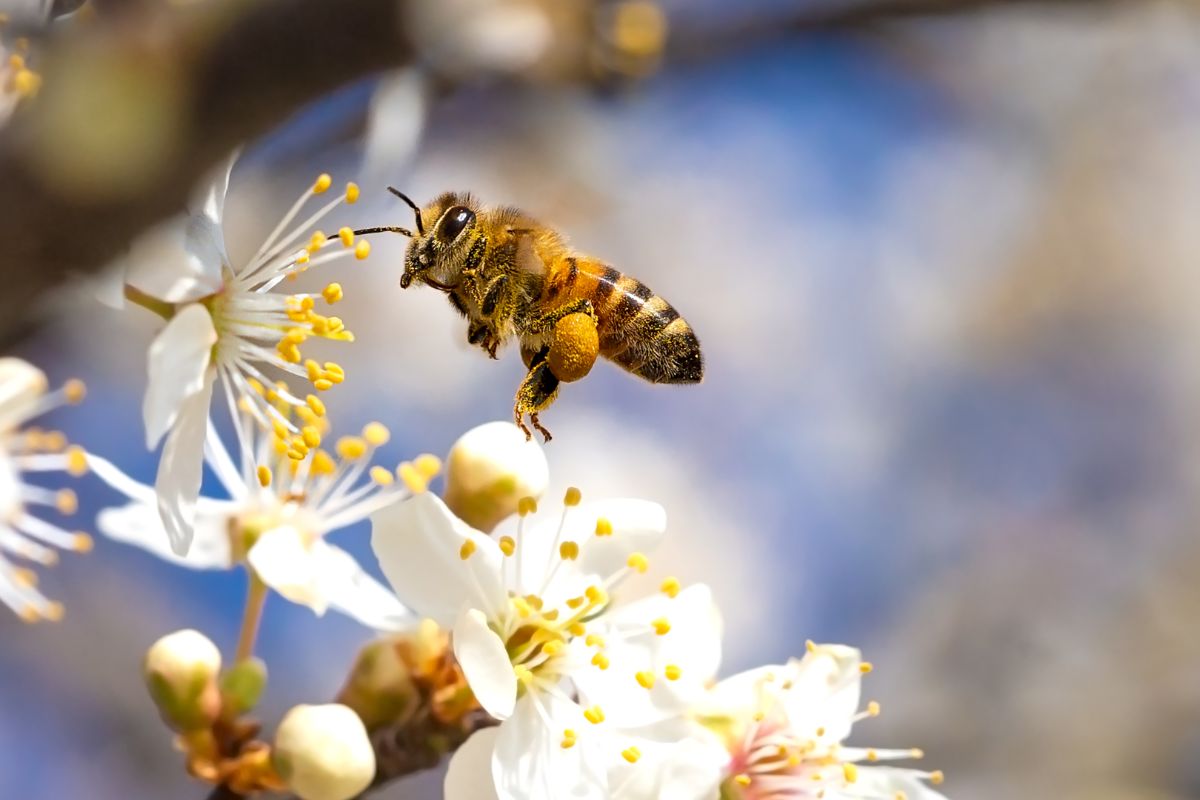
(535,394)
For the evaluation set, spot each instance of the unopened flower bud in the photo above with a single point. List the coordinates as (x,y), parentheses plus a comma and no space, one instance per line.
(380,688)
(21,386)
(181,672)
(242,686)
(489,469)
(323,753)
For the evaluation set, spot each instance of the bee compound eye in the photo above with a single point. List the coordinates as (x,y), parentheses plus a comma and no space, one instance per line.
(453,222)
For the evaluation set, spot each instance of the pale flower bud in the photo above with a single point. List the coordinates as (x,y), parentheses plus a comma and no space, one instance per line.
(21,386)
(181,672)
(489,469)
(380,687)
(323,753)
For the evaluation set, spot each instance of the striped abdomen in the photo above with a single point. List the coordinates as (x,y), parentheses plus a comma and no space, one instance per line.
(639,330)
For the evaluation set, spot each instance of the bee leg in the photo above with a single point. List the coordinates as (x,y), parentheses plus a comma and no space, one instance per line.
(546,322)
(535,394)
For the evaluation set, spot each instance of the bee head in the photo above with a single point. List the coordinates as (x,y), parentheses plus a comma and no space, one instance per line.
(436,253)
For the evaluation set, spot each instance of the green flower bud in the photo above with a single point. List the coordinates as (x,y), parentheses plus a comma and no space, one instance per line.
(181,672)
(489,470)
(242,686)
(380,687)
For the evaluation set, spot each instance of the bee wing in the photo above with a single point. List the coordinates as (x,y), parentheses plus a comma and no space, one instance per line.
(528,259)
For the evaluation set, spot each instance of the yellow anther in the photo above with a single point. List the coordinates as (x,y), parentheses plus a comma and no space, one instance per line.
(820,731)
(600,660)
(351,447)
(661,626)
(54,612)
(577,629)
(595,595)
(347,236)
(873,709)
(553,647)
(289,352)
(759,716)
(311,436)
(631,754)
(810,646)
(16,61)
(312,369)
(508,545)
(25,578)
(916,752)
(264,476)
(670,587)
(324,181)
(76,461)
(428,465)
(572,497)
(28,614)
(412,477)
(315,405)
(317,241)
(309,418)
(901,795)
(575,602)
(524,610)
(301,258)
(526,506)
(334,371)
(872,755)
(741,779)
(332,293)
(362,249)
(523,673)
(322,463)
(568,740)
(568,551)
(351,193)
(849,772)
(382,476)
(672,672)
(322,384)
(866,667)
(603,527)
(638,562)
(296,453)
(376,434)
(27,83)
(594,640)
(645,679)
(937,777)
(468,547)
(594,715)
(75,390)
(794,760)
(82,543)
(54,441)
(295,336)
(66,502)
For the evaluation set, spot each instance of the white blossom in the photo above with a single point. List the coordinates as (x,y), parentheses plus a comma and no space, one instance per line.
(323,753)
(591,696)
(784,726)
(279,511)
(225,325)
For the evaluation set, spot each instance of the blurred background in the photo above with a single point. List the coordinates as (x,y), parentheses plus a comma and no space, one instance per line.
(944,273)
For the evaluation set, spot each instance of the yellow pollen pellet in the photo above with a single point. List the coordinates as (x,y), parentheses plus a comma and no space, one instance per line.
(376,433)
(508,545)
(332,293)
(347,236)
(362,249)
(937,777)
(603,527)
(631,754)
(672,672)
(742,779)
(645,679)
(428,465)
(351,193)
(76,461)
(381,476)
(600,660)
(75,390)
(82,543)
(526,506)
(873,709)
(638,562)
(315,405)
(670,587)
(324,181)
(468,547)
(596,595)
(568,740)
(594,715)
(264,476)
(66,502)
(866,667)
(849,772)
(412,478)
(572,497)
(661,626)
(311,436)
(568,551)
(351,447)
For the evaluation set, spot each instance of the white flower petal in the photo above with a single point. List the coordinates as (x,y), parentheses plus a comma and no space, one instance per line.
(485,663)
(826,690)
(178,365)
(739,696)
(419,544)
(178,261)
(889,782)
(21,387)
(470,774)
(181,467)
(530,763)
(284,561)
(349,589)
(210,202)
(140,525)
(679,768)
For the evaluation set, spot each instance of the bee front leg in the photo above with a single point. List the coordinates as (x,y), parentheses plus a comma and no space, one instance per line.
(535,394)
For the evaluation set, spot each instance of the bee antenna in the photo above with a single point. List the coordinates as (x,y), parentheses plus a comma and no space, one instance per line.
(416,208)
(383,229)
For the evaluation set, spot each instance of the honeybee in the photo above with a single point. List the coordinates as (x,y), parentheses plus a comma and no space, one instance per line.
(513,277)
